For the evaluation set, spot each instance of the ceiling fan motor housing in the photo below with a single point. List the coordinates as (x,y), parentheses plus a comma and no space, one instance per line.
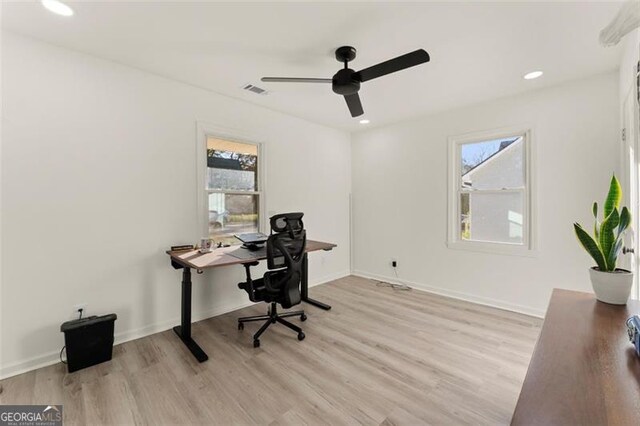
(343,82)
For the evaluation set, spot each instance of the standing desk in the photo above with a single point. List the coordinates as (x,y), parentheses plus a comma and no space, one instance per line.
(193,259)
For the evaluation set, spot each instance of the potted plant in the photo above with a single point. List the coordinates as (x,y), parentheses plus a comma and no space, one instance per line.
(610,284)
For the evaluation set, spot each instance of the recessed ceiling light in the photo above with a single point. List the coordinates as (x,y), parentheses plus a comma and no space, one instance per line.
(364,121)
(57,7)
(532,75)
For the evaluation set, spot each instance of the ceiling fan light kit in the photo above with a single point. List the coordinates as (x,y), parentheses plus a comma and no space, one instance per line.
(346,82)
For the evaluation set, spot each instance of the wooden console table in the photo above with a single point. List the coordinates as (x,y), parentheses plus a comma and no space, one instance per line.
(584,370)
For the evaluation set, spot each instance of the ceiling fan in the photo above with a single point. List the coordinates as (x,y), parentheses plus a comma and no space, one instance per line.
(346,82)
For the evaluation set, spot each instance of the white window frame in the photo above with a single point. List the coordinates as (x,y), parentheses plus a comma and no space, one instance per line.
(205,131)
(454,240)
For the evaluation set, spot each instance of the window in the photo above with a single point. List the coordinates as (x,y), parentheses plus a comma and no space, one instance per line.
(490,192)
(233,188)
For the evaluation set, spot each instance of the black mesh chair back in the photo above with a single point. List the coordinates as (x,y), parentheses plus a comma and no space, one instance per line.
(287,228)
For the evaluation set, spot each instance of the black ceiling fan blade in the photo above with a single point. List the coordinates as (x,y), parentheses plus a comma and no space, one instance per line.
(354,104)
(408,60)
(294,80)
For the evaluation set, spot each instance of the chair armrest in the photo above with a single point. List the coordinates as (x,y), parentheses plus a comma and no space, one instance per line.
(248,285)
(247,267)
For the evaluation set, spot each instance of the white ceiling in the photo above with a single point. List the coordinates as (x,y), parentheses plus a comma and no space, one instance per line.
(479,51)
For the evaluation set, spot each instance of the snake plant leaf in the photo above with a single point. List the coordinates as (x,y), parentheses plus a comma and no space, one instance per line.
(625,220)
(612,258)
(590,246)
(613,197)
(607,236)
(596,223)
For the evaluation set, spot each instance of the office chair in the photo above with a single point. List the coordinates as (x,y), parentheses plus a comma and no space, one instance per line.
(281,283)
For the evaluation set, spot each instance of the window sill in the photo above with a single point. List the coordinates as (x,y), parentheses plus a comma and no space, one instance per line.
(493,248)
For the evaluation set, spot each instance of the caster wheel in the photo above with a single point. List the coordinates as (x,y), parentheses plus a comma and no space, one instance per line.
(301,336)
(240,326)
(303,317)
(256,343)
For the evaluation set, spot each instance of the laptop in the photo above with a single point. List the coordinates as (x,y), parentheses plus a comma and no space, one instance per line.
(252,238)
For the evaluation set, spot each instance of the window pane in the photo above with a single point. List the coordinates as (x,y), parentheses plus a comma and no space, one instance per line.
(231,214)
(231,166)
(464,217)
(494,217)
(494,164)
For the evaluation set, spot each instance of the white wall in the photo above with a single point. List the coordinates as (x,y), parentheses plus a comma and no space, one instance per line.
(629,121)
(629,61)
(98,179)
(399,180)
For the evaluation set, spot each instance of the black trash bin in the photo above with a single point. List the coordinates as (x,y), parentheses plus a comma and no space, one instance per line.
(88,341)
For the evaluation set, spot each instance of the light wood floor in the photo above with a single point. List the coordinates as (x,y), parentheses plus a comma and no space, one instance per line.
(380,356)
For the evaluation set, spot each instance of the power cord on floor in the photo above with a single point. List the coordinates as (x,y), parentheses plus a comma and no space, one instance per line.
(401,287)
(80,311)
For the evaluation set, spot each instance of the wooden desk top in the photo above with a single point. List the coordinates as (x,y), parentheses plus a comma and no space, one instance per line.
(584,370)
(221,257)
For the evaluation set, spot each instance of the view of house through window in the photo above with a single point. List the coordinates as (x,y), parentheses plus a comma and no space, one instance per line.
(233,189)
(492,190)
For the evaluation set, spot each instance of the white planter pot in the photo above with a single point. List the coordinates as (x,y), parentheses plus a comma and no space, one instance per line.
(612,287)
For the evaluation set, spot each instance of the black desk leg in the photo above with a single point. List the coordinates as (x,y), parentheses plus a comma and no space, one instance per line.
(305,286)
(184,330)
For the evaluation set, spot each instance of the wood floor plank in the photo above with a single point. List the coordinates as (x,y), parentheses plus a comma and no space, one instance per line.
(18,389)
(380,357)
(109,400)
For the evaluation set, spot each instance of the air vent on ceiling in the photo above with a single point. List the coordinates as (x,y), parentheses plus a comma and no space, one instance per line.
(255,89)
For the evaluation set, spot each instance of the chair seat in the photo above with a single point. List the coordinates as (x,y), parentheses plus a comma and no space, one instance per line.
(260,293)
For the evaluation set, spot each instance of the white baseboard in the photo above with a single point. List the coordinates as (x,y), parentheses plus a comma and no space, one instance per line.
(53,357)
(122,337)
(486,301)
(328,278)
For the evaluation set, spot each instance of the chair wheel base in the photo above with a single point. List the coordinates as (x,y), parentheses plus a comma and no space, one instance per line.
(301,336)
(240,326)
(303,317)
(256,343)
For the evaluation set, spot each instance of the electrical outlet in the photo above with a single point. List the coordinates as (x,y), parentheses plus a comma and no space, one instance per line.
(394,263)
(76,310)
